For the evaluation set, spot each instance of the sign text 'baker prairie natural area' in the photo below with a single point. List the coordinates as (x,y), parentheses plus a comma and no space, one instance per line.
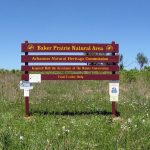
(69,47)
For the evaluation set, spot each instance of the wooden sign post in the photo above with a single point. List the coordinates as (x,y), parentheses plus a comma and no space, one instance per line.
(26,96)
(104,57)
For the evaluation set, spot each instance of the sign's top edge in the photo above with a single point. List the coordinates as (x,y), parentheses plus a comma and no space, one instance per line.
(77,43)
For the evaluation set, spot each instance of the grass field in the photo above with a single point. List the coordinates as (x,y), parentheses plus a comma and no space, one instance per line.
(74,115)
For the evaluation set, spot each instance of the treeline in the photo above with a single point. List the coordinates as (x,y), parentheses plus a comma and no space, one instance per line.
(14,71)
(134,75)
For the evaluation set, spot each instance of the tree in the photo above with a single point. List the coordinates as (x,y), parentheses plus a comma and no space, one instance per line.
(121,65)
(142,60)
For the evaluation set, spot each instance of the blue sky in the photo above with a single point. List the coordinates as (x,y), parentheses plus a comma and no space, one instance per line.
(87,21)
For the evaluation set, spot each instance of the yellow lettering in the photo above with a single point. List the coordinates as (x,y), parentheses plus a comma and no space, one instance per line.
(97,48)
(44,48)
(81,48)
(61,48)
(61,76)
(33,58)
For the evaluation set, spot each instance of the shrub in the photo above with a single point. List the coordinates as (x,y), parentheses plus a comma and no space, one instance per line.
(129,76)
(147,68)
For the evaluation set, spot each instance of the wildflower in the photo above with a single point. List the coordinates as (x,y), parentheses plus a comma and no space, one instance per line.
(86,124)
(65,130)
(47,140)
(72,121)
(143,120)
(135,125)
(124,127)
(21,137)
(129,120)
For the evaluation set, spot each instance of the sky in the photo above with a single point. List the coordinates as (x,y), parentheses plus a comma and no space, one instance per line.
(127,22)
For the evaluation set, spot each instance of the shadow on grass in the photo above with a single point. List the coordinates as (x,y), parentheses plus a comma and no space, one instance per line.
(75,113)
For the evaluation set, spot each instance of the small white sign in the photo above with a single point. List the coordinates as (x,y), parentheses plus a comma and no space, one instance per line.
(114,88)
(114,98)
(25,85)
(26,93)
(35,78)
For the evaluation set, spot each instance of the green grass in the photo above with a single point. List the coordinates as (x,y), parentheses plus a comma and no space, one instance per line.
(74,115)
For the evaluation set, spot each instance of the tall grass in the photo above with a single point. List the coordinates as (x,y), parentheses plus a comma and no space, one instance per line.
(74,115)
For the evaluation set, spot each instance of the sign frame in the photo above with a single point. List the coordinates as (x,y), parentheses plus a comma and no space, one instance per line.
(111,64)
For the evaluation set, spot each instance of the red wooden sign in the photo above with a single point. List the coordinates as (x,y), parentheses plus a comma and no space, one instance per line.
(58,58)
(104,62)
(69,47)
(75,77)
(69,68)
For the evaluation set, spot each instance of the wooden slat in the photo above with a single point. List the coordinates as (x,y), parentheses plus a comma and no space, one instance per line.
(67,58)
(69,68)
(70,47)
(75,77)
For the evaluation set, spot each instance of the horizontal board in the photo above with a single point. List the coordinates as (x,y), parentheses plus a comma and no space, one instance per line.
(69,47)
(75,77)
(73,58)
(69,68)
